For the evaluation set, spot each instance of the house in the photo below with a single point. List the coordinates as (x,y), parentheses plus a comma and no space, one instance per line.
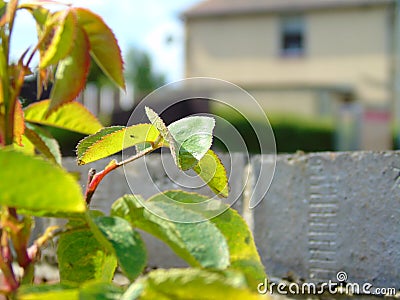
(316,58)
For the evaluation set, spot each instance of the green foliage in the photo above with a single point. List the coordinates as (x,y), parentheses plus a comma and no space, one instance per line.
(292,133)
(22,178)
(199,243)
(190,284)
(140,73)
(82,257)
(209,235)
(126,243)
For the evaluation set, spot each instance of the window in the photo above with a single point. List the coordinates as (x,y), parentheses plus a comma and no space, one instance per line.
(292,36)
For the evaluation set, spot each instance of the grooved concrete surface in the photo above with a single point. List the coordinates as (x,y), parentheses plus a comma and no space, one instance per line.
(332,212)
(324,212)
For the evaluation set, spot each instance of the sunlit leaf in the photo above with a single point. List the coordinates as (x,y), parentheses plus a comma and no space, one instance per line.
(104,47)
(43,142)
(72,116)
(62,38)
(71,73)
(81,258)
(190,284)
(111,140)
(199,243)
(52,190)
(19,124)
(48,292)
(213,172)
(126,242)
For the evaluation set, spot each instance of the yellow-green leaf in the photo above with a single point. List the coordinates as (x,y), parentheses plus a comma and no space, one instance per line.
(71,73)
(72,116)
(213,172)
(104,46)
(44,142)
(191,284)
(63,32)
(36,185)
(111,140)
(48,292)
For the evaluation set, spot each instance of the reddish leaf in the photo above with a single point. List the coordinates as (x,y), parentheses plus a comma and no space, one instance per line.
(62,38)
(104,46)
(19,125)
(71,73)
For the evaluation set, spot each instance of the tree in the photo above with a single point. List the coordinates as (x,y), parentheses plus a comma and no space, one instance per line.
(140,72)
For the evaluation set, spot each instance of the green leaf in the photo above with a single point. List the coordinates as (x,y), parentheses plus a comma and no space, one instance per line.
(81,258)
(91,290)
(191,284)
(71,73)
(104,47)
(111,140)
(126,243)
(189,138)
(72,116)
(63,30)
(213,172)
(37,185)
(44,142)
(242,249)
(200,243)
(100,291)
(48,292)
(193,137)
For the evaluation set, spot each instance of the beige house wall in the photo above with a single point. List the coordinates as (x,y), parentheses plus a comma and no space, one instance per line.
(348,47)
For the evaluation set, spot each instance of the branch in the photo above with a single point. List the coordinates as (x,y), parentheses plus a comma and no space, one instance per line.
(95,179)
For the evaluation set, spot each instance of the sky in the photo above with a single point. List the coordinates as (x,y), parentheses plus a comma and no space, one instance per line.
(135,23)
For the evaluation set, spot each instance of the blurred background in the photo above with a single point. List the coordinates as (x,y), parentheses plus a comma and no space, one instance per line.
(326,72)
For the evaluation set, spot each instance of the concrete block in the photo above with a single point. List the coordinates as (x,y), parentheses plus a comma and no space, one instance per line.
(332,212)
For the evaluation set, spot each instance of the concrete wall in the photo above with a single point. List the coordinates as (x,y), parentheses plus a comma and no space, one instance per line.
(324,212)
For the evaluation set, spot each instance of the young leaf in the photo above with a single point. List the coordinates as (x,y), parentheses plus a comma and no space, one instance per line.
(193,138)
(63,29)
(126,243)
(160,125)
(190,284)
(71,73)
(50,191)
(213,172)
(189,138)
(43,142)
(72,116)
(81,258)
(111,140)
(242,249)
(200,243)
(104,47)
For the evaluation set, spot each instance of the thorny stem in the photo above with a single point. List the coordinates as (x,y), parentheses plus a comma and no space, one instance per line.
(94,178)
(10,281)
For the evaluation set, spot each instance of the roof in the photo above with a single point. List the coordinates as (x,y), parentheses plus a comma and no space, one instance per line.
(210,8)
